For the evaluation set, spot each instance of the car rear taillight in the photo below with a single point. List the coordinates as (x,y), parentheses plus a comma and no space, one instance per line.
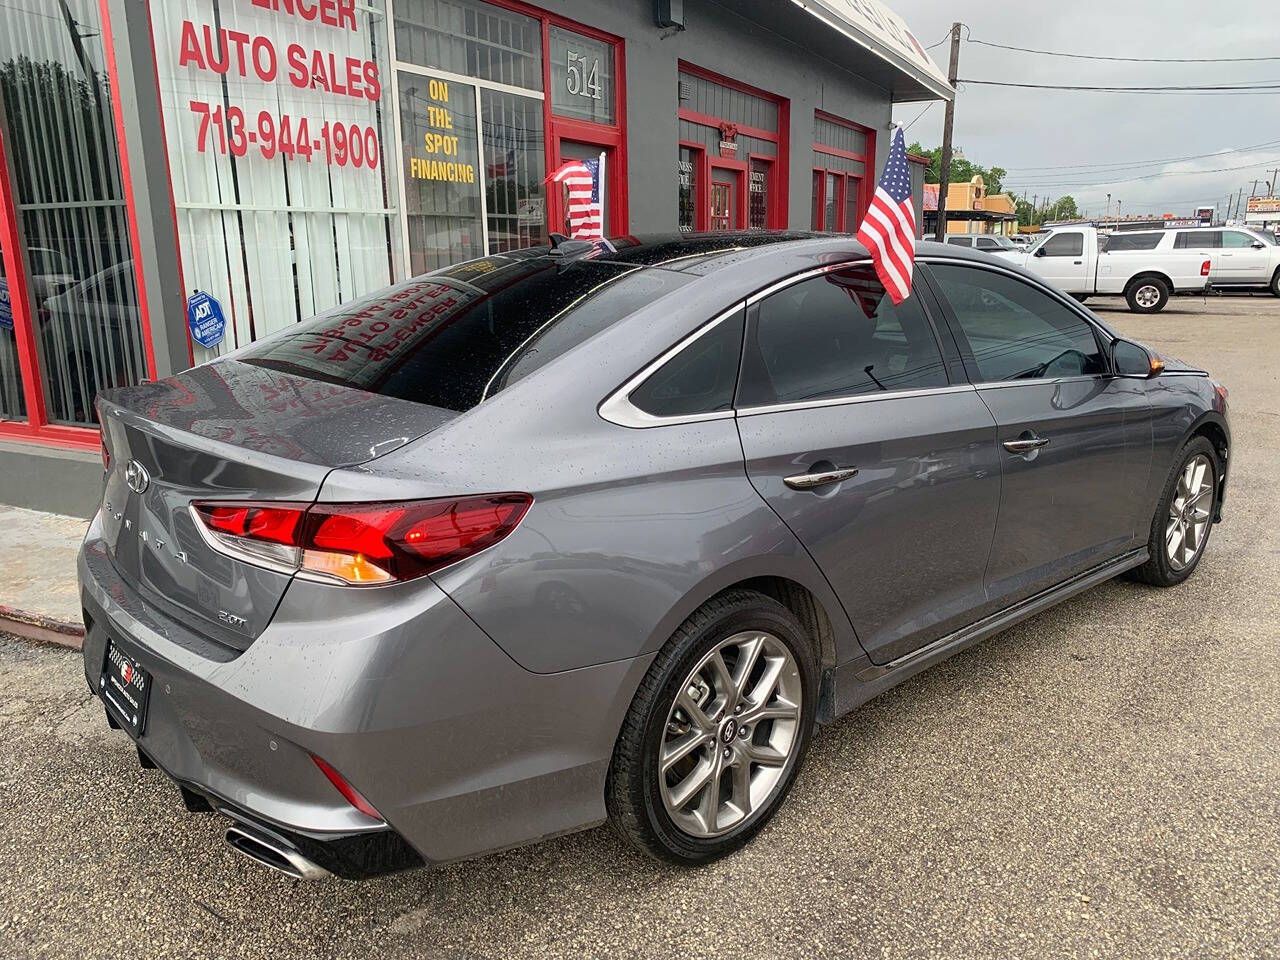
(1204,268)
(360,543)
(349,793)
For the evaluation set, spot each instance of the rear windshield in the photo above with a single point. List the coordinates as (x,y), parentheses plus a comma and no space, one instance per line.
(453,338)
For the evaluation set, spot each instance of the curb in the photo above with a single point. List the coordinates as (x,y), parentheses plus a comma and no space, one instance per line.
(34,626)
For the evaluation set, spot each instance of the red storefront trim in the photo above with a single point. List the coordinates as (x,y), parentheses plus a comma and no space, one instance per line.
(610,136)
(865,179)
(779,184)
(36,428)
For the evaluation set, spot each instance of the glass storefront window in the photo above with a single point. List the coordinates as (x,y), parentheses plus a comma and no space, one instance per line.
(69,201)
(282,157)
(582,77)
(832,201)
(442,177)
(687,174)
(13,405)
(758,192)
(515,165)
(471,38)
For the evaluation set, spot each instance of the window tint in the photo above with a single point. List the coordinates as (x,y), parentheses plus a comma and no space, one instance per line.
(1131,360)
(1015,330)
(454,338)
(1064,245)
(985,243)
(1132,241)
(837,335)
(1198,240)
(961,241)
(1234,239)
(699,379)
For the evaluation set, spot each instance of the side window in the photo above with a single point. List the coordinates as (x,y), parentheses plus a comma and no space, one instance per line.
(983,243)
(1064,245)
(960,241)
(699,379)
(1015,331)
(1234,240)
(1198,240)
(837,335)
(1132,241)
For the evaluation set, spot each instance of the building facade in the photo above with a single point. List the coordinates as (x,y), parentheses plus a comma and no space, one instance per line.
(180,178)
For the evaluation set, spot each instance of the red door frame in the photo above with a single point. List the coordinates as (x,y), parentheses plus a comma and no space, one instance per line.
(609,136)
(867,159)
(743,170)
(843,179)
(776,216)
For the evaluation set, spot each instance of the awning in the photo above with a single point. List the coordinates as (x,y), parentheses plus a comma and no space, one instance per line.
(876,28)
(863,36)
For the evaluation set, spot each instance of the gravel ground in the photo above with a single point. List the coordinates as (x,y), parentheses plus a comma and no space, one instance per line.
(1103,780)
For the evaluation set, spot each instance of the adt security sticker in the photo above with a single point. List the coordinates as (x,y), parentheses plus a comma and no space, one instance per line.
(206,320)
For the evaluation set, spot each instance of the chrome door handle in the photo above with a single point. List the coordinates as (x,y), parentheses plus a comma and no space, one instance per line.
(1022,446)
(808,481)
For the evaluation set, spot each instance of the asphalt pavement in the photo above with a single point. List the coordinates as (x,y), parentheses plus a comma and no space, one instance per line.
(1103,780)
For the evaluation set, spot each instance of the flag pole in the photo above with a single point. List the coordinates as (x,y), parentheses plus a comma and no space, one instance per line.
(604,223)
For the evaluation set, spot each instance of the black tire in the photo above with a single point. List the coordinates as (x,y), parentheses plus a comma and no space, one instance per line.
(632,792)
(1159,571)
(1080,297)
(1138,292)
(1275,284)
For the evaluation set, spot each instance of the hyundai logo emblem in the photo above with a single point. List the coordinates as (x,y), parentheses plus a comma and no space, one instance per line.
(136,476)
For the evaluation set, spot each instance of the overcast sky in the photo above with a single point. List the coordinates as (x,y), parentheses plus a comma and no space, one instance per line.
(1025,131)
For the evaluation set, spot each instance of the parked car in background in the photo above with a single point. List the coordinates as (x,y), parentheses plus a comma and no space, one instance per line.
(1243,259)
(606,530)
(988,243)
(1023,240)
(1074,260)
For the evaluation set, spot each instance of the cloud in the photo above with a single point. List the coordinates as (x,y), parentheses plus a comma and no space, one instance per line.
(1026,131)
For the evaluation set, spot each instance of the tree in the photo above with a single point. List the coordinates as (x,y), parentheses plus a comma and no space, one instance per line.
(962,170)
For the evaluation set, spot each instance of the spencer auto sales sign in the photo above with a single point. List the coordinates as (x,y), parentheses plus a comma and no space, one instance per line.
(290,67)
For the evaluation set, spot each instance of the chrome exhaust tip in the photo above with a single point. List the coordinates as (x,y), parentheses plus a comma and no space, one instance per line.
(277,856)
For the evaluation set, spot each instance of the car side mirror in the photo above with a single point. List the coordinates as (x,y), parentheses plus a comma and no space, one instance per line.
(1258,245)
(1129,359)
(1040,252)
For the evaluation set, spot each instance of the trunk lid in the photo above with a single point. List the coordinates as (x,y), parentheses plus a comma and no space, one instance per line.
(228,431)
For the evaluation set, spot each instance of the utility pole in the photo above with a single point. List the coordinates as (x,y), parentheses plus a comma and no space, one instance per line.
(948,125)
(1271,187)
(1239,197)
(1108,206)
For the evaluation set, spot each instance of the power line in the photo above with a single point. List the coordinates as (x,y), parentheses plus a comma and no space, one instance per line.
(1262,86)
(1090,56)
(1143,163)
(1145,176)
(918,116)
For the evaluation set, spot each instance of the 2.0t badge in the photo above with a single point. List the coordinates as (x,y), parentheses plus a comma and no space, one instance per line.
(136,476)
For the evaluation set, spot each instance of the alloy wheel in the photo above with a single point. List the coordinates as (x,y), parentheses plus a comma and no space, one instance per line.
(1147,296)
(733,728)
(1189,512)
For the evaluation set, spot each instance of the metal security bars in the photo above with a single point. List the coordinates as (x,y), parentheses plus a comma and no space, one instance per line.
(73,302)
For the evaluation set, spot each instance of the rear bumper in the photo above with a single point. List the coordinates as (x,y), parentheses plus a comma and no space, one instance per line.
(459,749)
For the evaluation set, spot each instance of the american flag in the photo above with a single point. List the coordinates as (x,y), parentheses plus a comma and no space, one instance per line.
(586,213)
(889,230)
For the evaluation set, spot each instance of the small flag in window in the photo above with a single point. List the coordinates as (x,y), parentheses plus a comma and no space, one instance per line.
(585,212)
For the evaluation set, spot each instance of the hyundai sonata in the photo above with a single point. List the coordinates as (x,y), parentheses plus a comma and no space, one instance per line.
(604,530)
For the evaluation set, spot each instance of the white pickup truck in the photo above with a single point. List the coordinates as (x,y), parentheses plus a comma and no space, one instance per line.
(1075,261)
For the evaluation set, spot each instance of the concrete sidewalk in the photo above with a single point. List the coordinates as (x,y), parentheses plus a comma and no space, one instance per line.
(38,593)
